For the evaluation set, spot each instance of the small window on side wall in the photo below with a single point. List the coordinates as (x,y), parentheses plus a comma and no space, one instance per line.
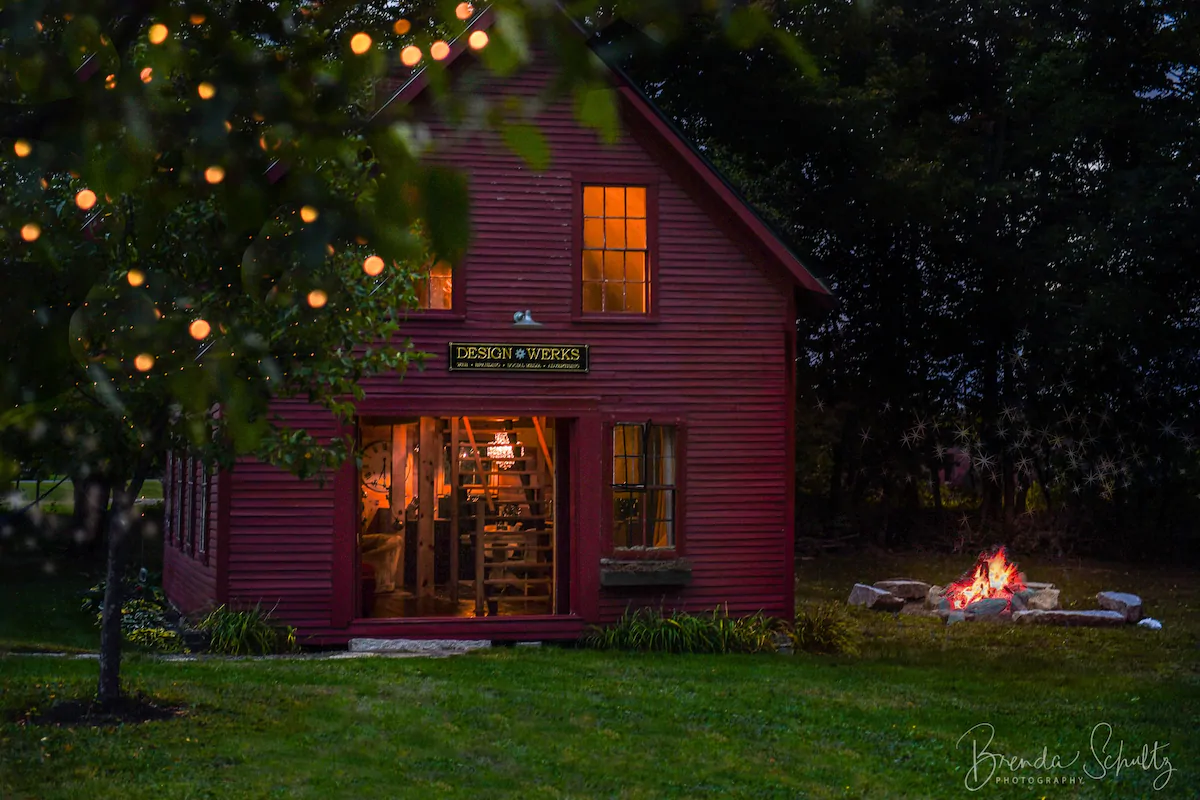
(644,487)
(616,251)
(435,291)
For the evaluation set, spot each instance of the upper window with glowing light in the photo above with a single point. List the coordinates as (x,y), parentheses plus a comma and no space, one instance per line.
(435,292)
(616,255)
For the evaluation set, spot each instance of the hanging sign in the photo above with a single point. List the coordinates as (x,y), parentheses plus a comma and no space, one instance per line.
(518,357)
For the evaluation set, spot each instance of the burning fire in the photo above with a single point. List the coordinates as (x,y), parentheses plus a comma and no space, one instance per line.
(992,576)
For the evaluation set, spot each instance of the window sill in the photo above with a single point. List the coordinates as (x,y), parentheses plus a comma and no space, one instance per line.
(645,572)
(619,319)
(419,315)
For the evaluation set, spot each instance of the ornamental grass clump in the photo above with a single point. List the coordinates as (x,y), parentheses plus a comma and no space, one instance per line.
(650,630)
(246,633)
(824,628)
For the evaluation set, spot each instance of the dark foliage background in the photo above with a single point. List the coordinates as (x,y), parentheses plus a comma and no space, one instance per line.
(1003,195)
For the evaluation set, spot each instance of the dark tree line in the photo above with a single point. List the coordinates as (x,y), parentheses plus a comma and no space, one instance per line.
(1003,195)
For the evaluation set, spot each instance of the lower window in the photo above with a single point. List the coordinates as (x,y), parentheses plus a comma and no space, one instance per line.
(643,486)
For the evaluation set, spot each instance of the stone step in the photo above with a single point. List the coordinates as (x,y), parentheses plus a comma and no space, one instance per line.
(428,646)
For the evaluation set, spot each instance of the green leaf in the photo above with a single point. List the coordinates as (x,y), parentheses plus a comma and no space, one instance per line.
(597,108)
(528,142)
(447,213)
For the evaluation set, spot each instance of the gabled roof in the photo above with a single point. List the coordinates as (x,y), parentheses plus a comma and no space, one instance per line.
(741,214)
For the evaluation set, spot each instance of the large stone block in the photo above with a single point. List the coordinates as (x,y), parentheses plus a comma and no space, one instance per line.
(1128,604)
(1043,600)
(905,588)
(1093,619)
(988,608)
(878,599)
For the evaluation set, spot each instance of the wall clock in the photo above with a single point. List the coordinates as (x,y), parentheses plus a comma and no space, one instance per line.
(377,466)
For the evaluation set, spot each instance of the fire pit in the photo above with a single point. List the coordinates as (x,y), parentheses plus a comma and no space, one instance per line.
(993,577)
(995,588)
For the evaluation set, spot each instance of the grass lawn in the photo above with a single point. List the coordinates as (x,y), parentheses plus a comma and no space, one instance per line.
(61,498)
(572,723)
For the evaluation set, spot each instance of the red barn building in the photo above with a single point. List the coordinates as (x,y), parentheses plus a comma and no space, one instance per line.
(634,446)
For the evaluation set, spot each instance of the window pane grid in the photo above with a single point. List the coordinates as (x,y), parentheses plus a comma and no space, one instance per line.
(615,249)
(644,492)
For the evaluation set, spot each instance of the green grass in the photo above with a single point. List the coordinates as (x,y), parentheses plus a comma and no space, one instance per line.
(61,500)
(574,723)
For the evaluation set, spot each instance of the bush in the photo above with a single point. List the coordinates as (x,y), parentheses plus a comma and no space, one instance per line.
(824,628)
(146,619)
(243,633)
(649,630)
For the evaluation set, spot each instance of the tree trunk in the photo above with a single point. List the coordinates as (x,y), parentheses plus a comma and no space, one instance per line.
(91,509)
(108,691)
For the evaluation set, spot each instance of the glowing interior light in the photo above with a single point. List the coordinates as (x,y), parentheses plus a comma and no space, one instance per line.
(317,298)
(309,214)
(464,10)
(157,34)
(478,40)
(360,43)
(206,90)
(501,450)
(410,56)
(373,265)
(30,231)
(22,148)
(199,329)
(214,174)
(439,50)
(144,362)
(135,277)
(85,199)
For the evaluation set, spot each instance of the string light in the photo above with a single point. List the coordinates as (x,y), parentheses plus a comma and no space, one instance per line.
(144,362)
(402,27)
(196,19)
(464,10)
(85,199)
(410,56)
(214,174)
(317,298)
(157,34)
(373,265)
(30,231)
(199,329)
(110,82)
(135,277)
(22,148)
(360,43)
(309,214)
(478,40)
(147,74)
(206,90)
(439,50)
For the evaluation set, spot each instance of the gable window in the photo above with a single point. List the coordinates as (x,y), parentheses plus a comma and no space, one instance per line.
(643,486)
(616,252)
(435,292)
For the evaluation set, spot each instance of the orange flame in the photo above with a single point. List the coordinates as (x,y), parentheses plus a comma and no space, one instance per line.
(992,576)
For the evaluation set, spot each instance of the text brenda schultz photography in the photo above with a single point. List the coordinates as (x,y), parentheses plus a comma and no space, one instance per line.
(1105,756)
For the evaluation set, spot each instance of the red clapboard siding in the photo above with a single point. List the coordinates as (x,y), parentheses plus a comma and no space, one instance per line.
(716,357)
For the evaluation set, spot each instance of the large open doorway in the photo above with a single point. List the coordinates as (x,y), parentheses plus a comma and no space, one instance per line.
(457,517)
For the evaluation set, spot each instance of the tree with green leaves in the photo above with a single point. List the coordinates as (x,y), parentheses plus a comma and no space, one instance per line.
(204,212)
